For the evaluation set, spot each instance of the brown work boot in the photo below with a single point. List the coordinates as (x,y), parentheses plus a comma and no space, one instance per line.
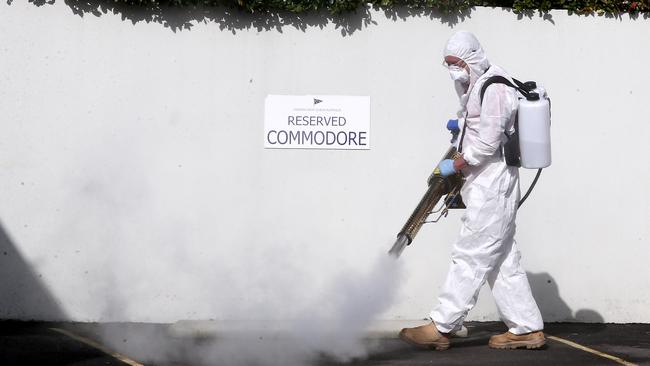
(507,340)
(425,336)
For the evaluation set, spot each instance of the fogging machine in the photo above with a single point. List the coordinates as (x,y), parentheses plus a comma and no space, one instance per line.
(439,186)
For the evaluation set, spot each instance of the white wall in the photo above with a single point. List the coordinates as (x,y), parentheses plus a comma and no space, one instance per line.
(135,185)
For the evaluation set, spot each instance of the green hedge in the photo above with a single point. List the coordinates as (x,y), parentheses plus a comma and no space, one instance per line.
(585,7)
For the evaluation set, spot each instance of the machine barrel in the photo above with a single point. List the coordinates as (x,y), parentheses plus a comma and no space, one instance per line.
(401,243)
(438,187)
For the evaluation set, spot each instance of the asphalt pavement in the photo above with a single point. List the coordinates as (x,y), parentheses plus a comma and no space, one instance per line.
(91,344)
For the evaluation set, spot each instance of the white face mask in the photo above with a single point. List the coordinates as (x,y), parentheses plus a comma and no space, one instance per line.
(459,74)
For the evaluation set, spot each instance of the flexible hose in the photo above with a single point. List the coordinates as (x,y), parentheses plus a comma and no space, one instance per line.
(530,189)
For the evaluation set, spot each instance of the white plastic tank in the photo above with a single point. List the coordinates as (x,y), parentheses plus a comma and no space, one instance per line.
(535,130)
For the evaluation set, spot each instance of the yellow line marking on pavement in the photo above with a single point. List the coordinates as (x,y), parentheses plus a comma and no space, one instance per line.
(98,346)
(591,350)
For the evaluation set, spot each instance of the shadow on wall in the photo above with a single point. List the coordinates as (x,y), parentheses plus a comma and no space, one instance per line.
(553,308)
(184,18)
(23,296)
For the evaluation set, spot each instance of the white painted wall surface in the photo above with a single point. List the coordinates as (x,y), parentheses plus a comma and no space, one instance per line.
(135,185)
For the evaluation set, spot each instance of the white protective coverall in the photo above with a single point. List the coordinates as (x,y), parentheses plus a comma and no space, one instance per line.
(486,248)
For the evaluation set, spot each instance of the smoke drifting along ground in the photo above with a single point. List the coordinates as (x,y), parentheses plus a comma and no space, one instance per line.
(332,324)
(329,327)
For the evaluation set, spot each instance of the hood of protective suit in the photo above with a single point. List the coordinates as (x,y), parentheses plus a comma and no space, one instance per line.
(466,46)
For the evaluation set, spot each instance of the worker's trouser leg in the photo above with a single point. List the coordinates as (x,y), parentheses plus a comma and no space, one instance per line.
(468,272)
(511,292)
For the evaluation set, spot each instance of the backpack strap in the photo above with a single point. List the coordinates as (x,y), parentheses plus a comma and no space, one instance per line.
(498,79)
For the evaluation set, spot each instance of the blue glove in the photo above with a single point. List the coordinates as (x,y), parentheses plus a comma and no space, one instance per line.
(446,168)
(452,125)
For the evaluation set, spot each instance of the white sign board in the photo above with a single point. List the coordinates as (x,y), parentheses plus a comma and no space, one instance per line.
(317,122)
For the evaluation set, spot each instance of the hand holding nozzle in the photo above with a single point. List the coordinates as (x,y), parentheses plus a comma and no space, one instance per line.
(446,168)
(450,167)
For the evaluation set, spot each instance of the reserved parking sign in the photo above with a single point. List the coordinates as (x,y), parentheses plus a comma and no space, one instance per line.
(317,122)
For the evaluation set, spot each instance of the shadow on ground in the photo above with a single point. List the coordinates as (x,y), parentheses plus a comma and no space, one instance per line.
(22,292)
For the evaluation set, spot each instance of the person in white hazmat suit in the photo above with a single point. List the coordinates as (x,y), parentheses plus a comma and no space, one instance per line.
(486,249)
